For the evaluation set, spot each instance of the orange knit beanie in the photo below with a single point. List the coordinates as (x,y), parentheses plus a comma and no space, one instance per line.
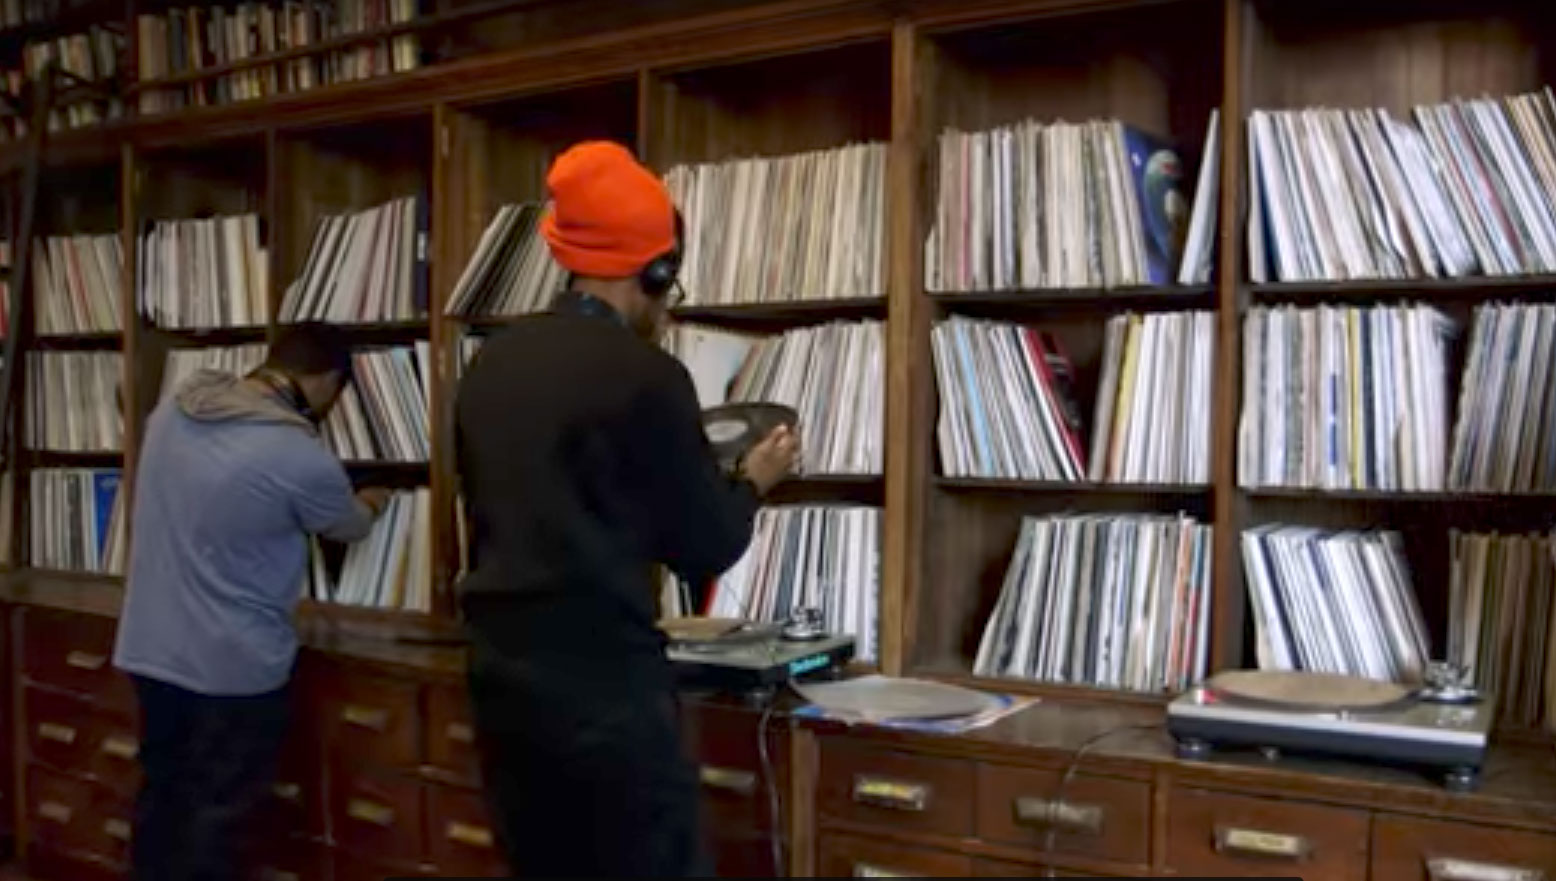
(609,216)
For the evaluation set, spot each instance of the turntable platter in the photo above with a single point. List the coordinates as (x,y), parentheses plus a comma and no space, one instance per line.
(1311,691)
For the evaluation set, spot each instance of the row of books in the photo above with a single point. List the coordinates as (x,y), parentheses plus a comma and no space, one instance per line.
(1340,397)
(364,267)
(16,13)
(78,284)
(1060,205)
(205,273)
(1009,407)
(1502,621)
(390,569)
(833,375)
(511,272)
(820,557)
(73,402)
(91,56)
(1464,188)
(1118,602)
(189,39)
(77,520)
(1334,602)
(181,364)
(809,226)
(382,415)
(1503,440)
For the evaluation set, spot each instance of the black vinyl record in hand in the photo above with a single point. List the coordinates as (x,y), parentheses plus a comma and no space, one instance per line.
(733,429)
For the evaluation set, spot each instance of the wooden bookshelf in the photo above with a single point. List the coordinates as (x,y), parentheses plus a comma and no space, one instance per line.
(507,86)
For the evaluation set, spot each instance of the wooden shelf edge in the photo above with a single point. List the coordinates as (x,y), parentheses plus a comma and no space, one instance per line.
(1431,497)
(1061,487)
(1474,289)
(809,311)
(1054,691)
(1161,298)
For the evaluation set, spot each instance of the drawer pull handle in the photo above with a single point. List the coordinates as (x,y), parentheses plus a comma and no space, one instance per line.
(371,718)
(116,828)
(278,875)
(465,833)
(120,747)
(287,791)
(86,660)
(370,812)
(728,779)
(57,732)
(1448,869)
(865,870)
(894,795)
(1262,845)
(53,810)
(1062,815)
(459,732)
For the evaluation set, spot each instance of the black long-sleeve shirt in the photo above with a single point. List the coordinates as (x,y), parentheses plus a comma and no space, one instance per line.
(583,463)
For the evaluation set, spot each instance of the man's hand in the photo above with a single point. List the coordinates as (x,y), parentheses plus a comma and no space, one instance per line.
(771,459)
(376,498)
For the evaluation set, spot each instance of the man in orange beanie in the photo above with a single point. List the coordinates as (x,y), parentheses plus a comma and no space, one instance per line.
(584,463)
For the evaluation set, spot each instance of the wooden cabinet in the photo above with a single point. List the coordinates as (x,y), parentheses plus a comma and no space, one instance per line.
(380,779)
(1213,833)
(1414,849)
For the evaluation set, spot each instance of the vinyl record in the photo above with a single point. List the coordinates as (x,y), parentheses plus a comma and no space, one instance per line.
(1306,691)
(733,429)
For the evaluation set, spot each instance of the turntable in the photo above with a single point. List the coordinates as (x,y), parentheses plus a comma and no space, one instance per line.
(1442,725)
(747,657)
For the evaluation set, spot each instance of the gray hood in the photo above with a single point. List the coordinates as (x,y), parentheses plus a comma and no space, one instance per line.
(214,396)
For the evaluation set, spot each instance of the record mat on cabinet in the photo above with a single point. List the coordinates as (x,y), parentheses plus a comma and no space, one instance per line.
(1307,691)
(732,429)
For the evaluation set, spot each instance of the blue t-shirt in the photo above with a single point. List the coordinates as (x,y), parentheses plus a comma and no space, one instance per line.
(229,486)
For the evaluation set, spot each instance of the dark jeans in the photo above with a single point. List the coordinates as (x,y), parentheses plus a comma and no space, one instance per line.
(209,763)
(584,772)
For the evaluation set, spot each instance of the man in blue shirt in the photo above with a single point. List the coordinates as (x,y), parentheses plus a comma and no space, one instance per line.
(233,478)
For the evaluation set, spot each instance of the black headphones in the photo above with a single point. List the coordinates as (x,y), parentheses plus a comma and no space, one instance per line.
(661,272)
(289,391)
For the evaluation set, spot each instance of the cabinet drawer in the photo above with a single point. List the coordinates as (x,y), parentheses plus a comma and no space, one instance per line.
(1001,869)
(460,837)
(378,816)
(296,805)
(68,814)
(852,856)
(352,867)
(451,733)
(371,720)
(74,653)
(1410,849)
(71,735)
(1212,833)
(293,861)
(1101,817)
(869,785)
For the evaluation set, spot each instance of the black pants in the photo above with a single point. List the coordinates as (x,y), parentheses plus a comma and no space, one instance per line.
(209,763)
(585,772)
